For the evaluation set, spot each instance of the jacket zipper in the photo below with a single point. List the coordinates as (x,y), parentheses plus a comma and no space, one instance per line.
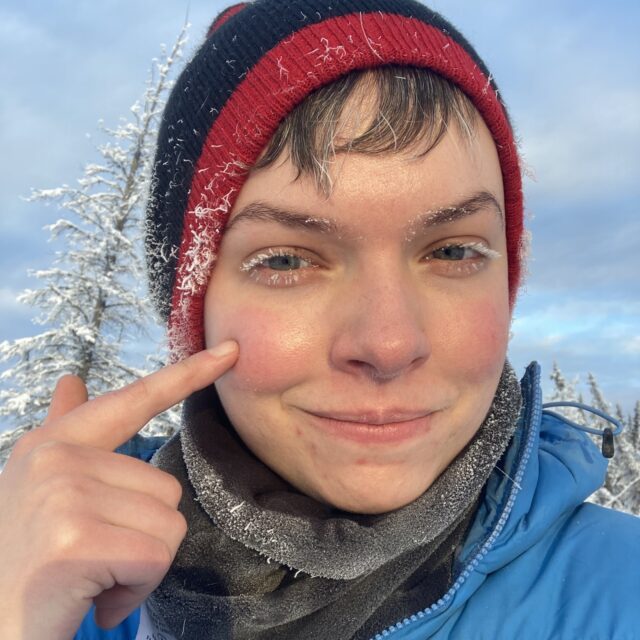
(534,418)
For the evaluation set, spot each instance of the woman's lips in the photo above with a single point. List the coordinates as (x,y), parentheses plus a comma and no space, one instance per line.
(373,428)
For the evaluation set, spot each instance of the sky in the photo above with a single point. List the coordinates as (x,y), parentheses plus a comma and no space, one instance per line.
(568,72)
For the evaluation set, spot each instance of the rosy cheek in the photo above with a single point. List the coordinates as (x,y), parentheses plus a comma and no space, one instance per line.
(275,347)
(491,336)
(476,342)
(492,330)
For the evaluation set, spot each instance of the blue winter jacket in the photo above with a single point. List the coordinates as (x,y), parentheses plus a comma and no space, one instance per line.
(538,562)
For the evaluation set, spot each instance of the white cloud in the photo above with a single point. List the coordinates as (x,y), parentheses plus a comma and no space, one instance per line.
(599,336)
(16,318)
(567,72)
(9,302)
(591,146)
(579,326)
(632,345)
(16,31)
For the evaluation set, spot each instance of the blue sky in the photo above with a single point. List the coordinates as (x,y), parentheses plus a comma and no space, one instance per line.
(568,71)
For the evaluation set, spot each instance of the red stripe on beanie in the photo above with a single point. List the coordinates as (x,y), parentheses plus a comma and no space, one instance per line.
(284,76)
(228,13)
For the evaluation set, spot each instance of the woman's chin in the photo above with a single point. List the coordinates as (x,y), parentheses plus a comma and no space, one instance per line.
(372,505)
(372,501)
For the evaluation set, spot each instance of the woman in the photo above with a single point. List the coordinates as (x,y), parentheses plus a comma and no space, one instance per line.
(335,240)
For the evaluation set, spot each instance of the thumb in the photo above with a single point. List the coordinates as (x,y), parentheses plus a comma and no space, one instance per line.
(70,392)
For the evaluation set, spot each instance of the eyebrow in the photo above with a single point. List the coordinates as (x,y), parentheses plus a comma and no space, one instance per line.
(260,211)
(480,201)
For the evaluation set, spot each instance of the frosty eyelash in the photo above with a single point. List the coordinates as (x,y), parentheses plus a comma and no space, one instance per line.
(479,247)
(465,266)
(258,269)
(484,253)
(249,265)
(258,260)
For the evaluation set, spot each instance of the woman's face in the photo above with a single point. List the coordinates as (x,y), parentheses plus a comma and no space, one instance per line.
(373,325)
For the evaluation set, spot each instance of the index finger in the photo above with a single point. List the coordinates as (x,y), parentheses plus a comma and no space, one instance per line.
(112,419)
(70,392)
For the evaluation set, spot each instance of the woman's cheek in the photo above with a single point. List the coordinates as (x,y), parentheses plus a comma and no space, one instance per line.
(475,344)
(276,348)
(490,334)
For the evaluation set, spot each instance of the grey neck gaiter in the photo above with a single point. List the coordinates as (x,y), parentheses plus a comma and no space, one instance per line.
(263,561)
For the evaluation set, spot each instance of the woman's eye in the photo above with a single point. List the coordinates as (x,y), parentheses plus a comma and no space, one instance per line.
(286,262)
(461,259)
(277,267)
(454,252)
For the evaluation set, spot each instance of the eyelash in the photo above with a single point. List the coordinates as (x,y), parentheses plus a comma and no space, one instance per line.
(256,266)
(469,265)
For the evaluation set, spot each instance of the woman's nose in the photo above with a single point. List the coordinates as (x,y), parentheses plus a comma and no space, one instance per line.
(380,331)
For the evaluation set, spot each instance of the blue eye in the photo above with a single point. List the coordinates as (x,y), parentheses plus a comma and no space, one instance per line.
(452,252)
(284,262)
(459,260)
(278,267)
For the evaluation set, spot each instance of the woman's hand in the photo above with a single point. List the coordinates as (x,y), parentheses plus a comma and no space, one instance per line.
(80,524)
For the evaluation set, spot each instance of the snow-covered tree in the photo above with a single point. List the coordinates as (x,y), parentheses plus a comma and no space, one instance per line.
(622,485)
(93,303)
(564,390)
(634,429)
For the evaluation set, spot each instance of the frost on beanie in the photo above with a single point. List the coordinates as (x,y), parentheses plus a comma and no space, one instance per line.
(259,61)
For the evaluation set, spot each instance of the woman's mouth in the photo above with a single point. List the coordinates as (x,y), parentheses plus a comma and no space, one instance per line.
(370,428)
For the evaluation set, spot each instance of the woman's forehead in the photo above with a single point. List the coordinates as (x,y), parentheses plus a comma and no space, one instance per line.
(264,212)
(457,176)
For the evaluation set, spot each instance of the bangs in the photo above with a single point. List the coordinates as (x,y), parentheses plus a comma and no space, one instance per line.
(388,109)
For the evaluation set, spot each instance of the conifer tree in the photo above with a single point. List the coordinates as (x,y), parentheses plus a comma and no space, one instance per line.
(634,427)
(566,391)
(93,304)
(597,398)
(621,489)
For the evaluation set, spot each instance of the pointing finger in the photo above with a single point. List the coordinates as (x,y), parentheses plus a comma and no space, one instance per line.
(70,392)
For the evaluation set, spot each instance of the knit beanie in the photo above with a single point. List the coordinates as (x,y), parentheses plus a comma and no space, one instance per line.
(260,60)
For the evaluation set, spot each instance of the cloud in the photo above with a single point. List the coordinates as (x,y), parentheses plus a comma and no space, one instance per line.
(591,146)
(18,31)
(586,251)
(16,318)
(582,335)
(9,302)
(540,305)
(632,345)
(575,328)
(566,70)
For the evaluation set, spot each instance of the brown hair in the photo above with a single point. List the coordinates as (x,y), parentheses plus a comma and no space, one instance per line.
(411,106)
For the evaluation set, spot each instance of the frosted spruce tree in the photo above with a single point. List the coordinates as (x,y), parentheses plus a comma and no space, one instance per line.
(567,391)
(634,432)
(621,489)
(93,304)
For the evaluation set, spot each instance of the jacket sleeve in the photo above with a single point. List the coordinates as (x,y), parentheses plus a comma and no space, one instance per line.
(126,630)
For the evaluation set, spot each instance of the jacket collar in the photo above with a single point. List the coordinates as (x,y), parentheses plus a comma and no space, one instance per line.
(549,470)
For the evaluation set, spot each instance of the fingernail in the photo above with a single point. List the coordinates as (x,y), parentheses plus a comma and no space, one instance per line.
(224,348)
